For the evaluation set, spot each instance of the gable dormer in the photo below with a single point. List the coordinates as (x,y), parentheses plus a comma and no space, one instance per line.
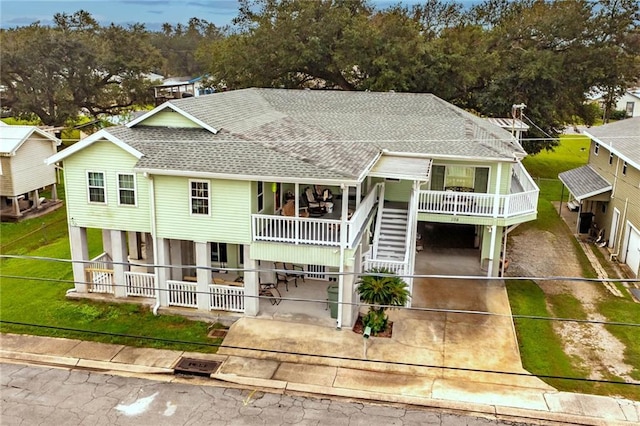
(169,115)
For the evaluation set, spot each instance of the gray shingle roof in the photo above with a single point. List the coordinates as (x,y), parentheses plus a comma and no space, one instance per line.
(319,134)
(584,182)
(622,137)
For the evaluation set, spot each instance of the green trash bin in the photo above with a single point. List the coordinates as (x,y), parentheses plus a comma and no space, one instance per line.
(332,296)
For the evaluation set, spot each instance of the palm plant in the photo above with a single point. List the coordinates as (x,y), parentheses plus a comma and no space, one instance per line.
(381,288)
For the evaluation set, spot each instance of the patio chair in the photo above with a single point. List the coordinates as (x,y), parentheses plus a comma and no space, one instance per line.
(298,270)
(269,290)
(283,277)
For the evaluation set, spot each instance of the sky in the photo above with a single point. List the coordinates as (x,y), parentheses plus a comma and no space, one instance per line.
(153,13)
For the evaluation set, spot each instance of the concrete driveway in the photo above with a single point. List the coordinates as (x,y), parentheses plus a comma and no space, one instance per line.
(476,347)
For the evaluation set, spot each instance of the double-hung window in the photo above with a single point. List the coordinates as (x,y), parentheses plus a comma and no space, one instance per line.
(200,197)
(126,189)
(96,187)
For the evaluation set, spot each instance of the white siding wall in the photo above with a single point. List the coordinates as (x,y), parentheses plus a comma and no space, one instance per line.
(230,211)
(28,170)
(108,158)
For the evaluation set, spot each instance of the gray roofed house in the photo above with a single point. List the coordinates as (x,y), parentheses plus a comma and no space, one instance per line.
(584,182)
(608,190)
(327,183)
(621,137)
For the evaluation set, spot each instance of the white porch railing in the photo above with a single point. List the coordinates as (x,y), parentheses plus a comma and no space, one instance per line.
(396,266)
(99,274)
(302,230)
(182,293)
(226,298)
(522,201)
(140,284)
(296,230)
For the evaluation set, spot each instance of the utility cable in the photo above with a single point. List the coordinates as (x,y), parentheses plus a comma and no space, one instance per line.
(357,304)
(333,357)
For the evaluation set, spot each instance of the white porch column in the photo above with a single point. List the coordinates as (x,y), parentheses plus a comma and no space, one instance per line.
(149,252)
(79,255)
(494,228)
(251,285)
(176,259)
(203,273)
(36,198)
(54,192)
(134,247)
(120,261)
(349,314)
(162,273)
(106,242)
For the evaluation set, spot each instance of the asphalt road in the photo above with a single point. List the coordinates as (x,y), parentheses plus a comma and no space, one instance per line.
(38,395)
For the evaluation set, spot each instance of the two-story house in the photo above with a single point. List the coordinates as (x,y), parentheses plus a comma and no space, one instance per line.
(608,189)
(227,181)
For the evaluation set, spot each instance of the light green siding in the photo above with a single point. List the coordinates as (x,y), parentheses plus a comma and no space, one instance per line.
(301,254)
(397,190)
(505,178)
(168,118)
(229,219)
(109,215)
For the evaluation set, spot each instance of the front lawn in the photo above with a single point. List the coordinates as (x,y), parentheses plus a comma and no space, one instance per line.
(40,299)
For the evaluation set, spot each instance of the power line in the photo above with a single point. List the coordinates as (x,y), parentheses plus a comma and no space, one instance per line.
(333,357)
(358,304)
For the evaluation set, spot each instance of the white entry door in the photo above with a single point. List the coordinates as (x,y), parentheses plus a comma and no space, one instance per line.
(632,252)
(614,228)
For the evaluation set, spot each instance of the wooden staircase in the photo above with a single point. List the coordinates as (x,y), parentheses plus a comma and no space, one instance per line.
(392,235)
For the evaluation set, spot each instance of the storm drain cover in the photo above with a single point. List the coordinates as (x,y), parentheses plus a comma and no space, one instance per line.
(196,367)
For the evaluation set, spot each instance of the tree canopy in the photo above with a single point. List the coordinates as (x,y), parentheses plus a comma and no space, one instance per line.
(74,67)
(485,58)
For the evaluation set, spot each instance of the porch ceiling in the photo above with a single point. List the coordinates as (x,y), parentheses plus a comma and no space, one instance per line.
(397,167)
(584,182)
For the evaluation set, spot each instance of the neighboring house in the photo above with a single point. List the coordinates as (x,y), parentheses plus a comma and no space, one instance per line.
(513,125)
(221,181)
(23,172)
(178,88)
(607,189)
(628,102)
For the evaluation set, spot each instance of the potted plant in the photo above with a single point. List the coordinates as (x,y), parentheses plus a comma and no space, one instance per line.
(381,288)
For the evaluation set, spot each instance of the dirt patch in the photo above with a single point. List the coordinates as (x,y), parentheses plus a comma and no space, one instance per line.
(535,253)
(358,328)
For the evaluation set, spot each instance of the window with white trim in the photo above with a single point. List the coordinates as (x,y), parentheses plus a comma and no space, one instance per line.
(96,187)
(596,148)
(126,189)
(260,196)
(199,196)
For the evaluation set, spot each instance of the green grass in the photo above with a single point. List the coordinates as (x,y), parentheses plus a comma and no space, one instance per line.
(541,348)
(625,311)
(572,152)
(40,299)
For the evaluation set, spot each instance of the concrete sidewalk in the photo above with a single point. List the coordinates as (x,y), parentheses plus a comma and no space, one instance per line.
(339,377)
